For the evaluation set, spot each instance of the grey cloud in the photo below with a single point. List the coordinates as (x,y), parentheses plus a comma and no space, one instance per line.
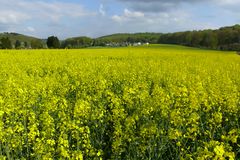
(165,5)
(159,5)
(231,5)
(157,1)
(163,1)
(153,7)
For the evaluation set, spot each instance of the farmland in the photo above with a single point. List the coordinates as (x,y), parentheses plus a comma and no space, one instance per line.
(147,102)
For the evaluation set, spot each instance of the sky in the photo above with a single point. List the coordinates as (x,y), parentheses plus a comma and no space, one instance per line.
(94,18)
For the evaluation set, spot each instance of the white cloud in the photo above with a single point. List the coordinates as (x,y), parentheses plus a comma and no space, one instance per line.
(30,29)
(101,10)
(229,2)
(117,18)
(128,16)
(54,10)
(47,17)
(12,17)
(148,19)
(51,10)
(169,21)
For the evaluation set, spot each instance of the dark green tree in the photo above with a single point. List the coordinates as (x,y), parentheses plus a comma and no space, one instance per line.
(209,39)
(36,44)
(196,38)
(130,40)
(25,45)
(17,44)
(78,42)
(53,42)
(6,43)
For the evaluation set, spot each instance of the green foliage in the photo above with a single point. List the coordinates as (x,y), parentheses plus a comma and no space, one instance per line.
(5,43)
(13,37)
(53,42)
(36,44)
(77,42)
(209,39)
(25,44)
(128,38)
(226,38)
(17,44)
(155,102)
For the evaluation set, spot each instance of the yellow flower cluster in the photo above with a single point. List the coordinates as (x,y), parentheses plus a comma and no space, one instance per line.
(168,103)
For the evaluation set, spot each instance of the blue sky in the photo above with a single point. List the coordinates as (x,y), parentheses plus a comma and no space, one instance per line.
(69,18)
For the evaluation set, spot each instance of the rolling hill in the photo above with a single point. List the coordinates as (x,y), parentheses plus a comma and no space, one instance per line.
(13,37)
(16,36)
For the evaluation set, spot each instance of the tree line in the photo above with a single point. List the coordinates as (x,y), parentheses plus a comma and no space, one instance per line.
(5,43)
(53,42)
(226,38)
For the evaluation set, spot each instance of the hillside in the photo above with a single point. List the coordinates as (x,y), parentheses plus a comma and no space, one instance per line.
(132,37)
(16,36)
(225,38)
(119,39)
(28,40)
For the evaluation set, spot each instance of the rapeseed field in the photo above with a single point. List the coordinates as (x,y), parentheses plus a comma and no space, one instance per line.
(149,102)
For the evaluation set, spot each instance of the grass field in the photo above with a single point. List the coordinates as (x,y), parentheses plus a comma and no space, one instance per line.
(149,102)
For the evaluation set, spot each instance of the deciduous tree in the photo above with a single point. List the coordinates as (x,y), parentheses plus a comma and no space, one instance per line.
(53,42)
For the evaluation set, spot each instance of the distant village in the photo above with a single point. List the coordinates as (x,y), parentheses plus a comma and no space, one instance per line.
(125,44)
